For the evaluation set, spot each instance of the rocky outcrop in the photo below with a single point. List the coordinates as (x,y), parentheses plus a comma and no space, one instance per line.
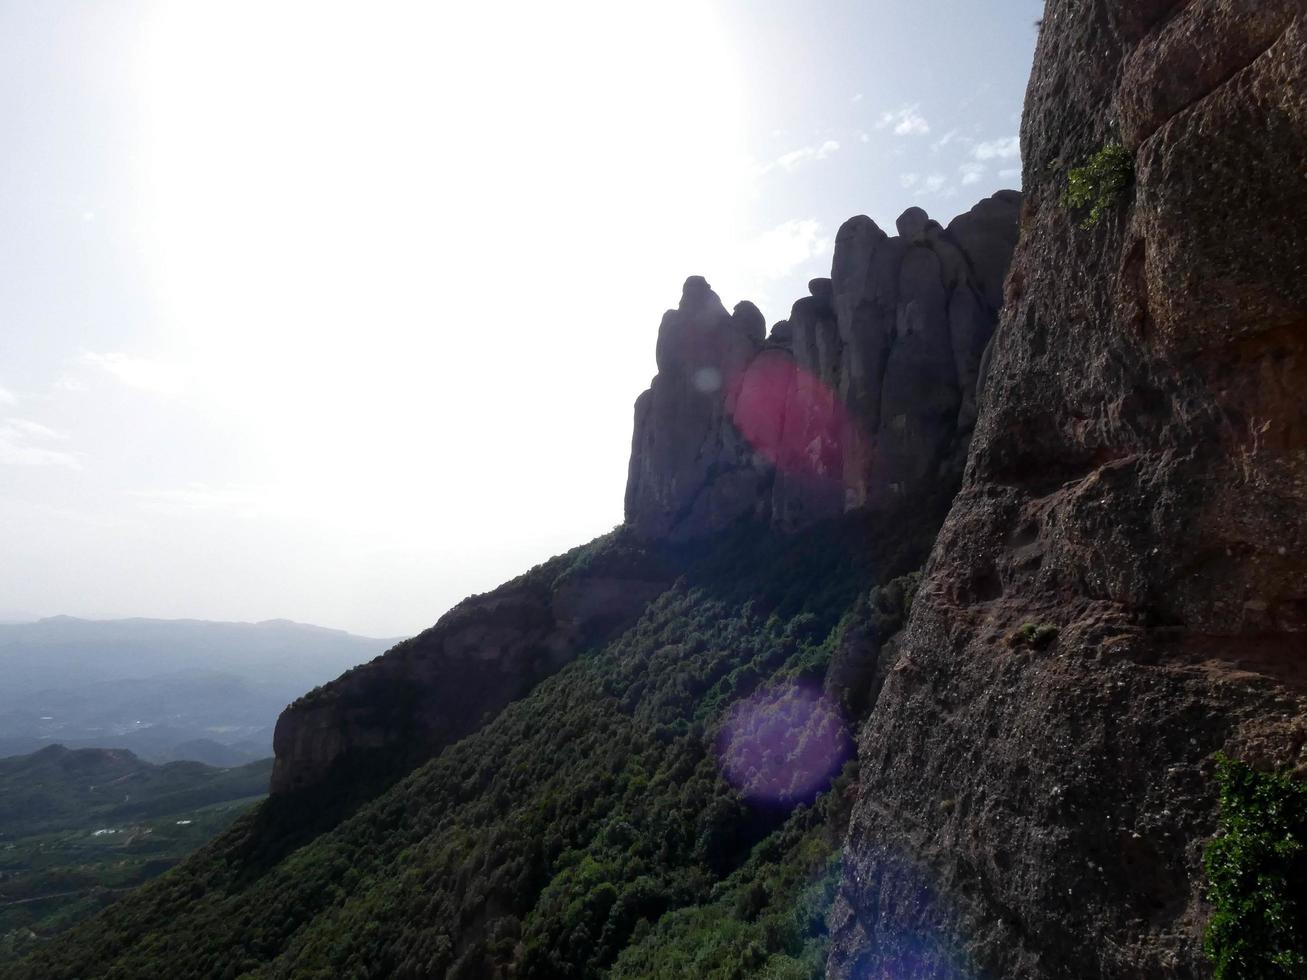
(690,470)
(486,652)
(864,396)
(1039,809)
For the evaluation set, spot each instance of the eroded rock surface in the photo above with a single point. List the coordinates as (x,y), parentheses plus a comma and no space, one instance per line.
(1040,810)
(445,683)
(864,395)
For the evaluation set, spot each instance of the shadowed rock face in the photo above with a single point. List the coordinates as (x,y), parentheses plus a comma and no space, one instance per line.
(866,394)
(689,467)
(1137,480)
(443,684)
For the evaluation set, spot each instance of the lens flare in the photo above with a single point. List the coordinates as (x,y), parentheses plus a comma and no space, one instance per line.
(792,418)
(707,379)
(915,941)
(783,745)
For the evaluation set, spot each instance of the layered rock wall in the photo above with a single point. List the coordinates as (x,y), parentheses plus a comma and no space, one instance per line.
(865,395)
(1136,496)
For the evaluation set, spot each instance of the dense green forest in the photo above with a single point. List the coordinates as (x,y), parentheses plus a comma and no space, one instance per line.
(79,828)
(669,805)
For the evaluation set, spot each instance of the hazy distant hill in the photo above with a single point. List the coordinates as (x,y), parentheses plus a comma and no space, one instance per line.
(165,689)
(59,787)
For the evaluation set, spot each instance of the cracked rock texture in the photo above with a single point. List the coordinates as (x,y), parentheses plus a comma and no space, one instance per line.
(1137,482)
(864,396)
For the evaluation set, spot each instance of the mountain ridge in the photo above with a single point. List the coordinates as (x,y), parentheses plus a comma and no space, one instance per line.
(162,687)
(65,619)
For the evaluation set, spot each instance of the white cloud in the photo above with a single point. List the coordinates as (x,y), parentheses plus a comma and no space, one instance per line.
(140,372)
(946,139)
(864,137)
(23,443)
(858,97)
(777,252)
(804,154)
(971,173)
(7,397)
(935,183)
(198,497)
(34,430)
(1002,149)
(69,383)
(906,121)
(909,181)
(1010,172)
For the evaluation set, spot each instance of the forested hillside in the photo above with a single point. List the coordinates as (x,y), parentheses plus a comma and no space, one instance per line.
(671,804)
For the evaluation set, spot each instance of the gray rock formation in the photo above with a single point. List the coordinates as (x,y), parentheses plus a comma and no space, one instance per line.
(691,472)
(866,395)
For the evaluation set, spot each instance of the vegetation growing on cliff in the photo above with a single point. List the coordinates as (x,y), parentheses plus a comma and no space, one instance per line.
(1257,871)
(1100,185)
(592,828)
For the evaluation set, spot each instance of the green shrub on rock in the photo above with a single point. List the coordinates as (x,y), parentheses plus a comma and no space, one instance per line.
(1257,876)
(1101,184)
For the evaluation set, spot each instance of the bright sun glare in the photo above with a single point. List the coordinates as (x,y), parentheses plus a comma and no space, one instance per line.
(385,242)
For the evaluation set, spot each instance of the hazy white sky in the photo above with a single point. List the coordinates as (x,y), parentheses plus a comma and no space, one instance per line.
(337,311)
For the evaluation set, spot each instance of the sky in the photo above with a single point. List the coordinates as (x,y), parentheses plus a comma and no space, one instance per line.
(337,312)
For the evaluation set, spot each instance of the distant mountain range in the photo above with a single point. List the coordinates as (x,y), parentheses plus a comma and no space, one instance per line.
(163,689)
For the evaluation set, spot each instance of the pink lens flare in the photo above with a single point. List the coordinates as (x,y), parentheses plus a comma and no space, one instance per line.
(792,418)
(783,745)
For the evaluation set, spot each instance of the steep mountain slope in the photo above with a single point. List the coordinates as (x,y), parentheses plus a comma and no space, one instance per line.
(1035,801)
(431,690)
(634,760)
(551,842)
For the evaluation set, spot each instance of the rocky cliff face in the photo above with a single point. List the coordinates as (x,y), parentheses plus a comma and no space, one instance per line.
(1037,808)
(866,394)
(484,653)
